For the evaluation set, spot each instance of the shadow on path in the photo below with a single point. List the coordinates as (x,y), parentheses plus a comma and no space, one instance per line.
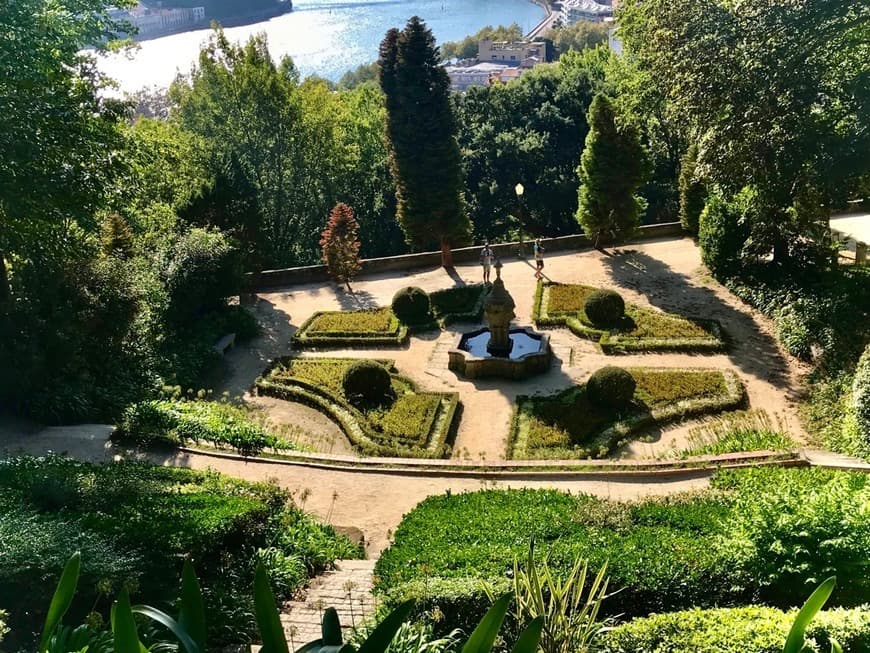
(354,300)
(751,349)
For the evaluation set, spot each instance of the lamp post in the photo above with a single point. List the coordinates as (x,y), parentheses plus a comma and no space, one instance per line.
(519,191)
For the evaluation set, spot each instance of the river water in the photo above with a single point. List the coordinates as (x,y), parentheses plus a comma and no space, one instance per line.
(324,37)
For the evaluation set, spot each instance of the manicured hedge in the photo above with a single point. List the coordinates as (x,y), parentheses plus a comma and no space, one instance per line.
(134,524)
(415,424)
(458,304)
(764,534)
(861,396)
(753,629)
(369,328)
(569,425)
(180,422)
(642,329)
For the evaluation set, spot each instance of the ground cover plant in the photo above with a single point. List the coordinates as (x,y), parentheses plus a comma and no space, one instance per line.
(757,535)
(751,430)
(179,421)
(754,629)
(369,328)
(570,425)
(408,422)
(134,524)
(641,329)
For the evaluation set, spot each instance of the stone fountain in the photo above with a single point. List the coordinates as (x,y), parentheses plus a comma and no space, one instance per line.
(498,349)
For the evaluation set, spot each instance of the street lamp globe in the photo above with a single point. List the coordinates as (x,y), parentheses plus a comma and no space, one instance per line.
(519,190)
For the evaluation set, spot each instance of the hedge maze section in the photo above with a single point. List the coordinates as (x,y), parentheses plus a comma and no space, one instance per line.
(340,329)
(417,424)
(642,329)
(567,425)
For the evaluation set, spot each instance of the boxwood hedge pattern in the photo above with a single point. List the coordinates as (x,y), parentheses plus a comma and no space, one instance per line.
(567,425)
(642,329)
(417,424)
(752,629)
(757,535)
(369,328)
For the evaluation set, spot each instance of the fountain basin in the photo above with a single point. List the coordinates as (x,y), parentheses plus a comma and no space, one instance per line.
(529,354)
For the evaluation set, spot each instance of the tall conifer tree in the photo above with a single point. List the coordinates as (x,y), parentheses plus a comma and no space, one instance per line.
(611,170)
(421,133)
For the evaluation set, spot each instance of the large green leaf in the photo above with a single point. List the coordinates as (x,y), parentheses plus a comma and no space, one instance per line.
(530,637)
(484,635)
(192,614)
(381,637)
(268,620)
(124,626)
(63,596)
(795,641)
(174,627)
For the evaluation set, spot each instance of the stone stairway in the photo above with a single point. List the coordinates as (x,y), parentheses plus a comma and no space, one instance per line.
(348,589)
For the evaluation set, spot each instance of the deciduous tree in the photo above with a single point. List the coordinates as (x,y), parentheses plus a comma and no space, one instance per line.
(340,244)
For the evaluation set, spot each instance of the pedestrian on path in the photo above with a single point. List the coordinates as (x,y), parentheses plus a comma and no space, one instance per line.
(486,258)
(539,259)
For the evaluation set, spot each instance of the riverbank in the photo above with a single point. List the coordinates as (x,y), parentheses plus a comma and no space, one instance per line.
(240,20)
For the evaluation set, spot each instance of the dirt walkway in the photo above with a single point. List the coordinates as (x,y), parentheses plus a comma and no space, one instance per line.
(664,274)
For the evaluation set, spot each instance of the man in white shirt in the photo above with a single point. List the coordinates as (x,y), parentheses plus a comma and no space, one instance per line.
(487,256)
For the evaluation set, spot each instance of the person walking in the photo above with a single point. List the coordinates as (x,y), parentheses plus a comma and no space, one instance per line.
(486,258)
(539,259)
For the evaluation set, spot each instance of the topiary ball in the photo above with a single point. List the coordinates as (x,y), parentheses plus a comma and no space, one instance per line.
(604,307)
(611,388)
(411,305)
(367,383)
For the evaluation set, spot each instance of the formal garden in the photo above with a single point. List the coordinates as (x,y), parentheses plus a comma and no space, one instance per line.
(571,364)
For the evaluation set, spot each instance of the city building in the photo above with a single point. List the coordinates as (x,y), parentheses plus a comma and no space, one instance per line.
(576,10)
(155,21)
(481,74)
(512,54)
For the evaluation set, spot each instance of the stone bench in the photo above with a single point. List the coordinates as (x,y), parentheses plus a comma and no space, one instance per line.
(225,343)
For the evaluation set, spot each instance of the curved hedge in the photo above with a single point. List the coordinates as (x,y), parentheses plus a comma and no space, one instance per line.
(753,629)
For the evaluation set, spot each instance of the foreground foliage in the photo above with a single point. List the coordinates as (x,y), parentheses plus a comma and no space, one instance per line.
(135,523)
(765,534)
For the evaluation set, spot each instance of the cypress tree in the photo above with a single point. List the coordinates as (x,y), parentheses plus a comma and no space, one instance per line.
(693,194)
(421,136)
(611,170)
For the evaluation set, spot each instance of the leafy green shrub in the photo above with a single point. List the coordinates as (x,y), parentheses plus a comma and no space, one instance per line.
(733,432)
(367,383)
(377,327)
(753,629)
(411,305)
(180,422)
(861,395)
(720,236)
(604,308)
(692,191)
(611,387)
(460,303)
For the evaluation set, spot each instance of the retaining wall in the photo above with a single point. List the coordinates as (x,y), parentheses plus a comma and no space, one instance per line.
(268,279)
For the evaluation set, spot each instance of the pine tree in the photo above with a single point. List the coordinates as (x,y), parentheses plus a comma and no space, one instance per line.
(611,170)
(421,133)
(116,237)
(340,244)
(693,193)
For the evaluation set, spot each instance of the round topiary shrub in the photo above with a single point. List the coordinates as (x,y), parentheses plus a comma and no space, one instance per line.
(411,305)
(367,383)
(604,307)
(610,388)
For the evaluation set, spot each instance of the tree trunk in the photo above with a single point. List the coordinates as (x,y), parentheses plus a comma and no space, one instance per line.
(5,293)
(446,254)
(780,251)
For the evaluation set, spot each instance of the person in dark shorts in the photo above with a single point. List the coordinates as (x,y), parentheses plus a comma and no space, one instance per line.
(486,258)
(539,259)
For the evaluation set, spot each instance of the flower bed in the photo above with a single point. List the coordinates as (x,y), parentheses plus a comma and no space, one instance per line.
(371,328)
(417,424)
(567,425)
(757,535)
(642,329)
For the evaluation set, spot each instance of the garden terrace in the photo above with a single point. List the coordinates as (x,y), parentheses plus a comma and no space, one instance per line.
(414,424)
(569,425)
(134,524)
(641,329)
(757,535)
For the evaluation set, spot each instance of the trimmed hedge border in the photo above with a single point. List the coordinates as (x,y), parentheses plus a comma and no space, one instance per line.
(612,342)
(396,337)
(354,423)
(752,629)
(617,434)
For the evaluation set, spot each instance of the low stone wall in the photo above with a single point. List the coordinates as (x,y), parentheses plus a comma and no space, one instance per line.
(269,279)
